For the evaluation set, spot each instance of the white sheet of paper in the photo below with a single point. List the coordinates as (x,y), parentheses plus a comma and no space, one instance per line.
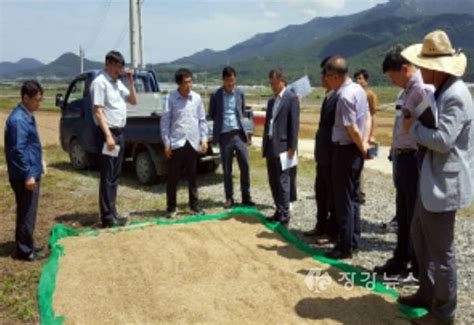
(287,163)
(111,153)
(301,87)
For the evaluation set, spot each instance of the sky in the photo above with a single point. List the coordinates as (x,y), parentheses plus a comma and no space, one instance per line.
(45,29)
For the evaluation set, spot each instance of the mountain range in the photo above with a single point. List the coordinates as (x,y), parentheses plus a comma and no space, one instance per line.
(363,38)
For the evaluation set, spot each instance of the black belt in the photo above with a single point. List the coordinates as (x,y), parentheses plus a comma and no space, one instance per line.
(116,131)
(405,151)
(233,132)
(344,145)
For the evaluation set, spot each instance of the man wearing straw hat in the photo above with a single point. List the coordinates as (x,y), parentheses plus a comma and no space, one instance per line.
(447,175)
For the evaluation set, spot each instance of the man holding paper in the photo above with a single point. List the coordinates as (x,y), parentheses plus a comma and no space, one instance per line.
(280,140)
(446,176)
(110,97)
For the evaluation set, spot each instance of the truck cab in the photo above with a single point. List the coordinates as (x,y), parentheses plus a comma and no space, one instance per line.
(143,144)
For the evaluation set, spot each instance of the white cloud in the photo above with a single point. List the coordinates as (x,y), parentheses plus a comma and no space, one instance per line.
(310,12)
(268,13)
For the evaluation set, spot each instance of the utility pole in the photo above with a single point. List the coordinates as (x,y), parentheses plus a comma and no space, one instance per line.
(81,55)
(133,32)
(140,34)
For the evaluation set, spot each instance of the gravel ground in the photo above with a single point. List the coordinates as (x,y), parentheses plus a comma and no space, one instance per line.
(377,245)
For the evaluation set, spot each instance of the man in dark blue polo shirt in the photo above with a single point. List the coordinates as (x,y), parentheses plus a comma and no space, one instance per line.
(24,161)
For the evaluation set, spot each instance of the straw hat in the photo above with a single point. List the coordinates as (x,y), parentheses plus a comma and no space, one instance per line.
(437,53)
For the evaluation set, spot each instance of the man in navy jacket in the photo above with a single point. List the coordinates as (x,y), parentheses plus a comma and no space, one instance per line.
(280,135)
(24,161)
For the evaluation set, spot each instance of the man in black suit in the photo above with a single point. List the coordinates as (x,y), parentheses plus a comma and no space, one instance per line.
(326,223)
(226,108)
(280,136)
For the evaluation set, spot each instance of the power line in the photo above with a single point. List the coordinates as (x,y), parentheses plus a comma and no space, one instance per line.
(121,36)
(102,18)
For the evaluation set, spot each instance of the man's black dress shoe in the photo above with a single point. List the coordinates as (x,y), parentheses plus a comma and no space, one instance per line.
(229,203)
(197,210)
(248,202)
(314,232)
(391,267)
(338,254)
(116,222)
(31,258)
(273,218)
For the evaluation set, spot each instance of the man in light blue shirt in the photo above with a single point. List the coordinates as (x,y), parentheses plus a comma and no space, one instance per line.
(226,109)
(350,137)
(184,134)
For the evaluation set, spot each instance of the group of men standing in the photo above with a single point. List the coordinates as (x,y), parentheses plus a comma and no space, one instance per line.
(433,164)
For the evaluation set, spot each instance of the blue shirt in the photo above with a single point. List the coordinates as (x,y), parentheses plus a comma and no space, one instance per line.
(22,146)
(229,122)
(184,119)
(352,109)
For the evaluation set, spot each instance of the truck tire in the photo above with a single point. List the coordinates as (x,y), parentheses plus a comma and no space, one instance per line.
(79,157)
(144,168)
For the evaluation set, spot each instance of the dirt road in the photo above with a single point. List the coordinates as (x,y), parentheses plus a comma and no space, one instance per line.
(306,148)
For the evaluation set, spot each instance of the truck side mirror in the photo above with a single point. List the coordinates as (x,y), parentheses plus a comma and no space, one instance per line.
(59,100)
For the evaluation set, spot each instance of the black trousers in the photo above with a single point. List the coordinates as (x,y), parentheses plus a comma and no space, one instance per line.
(326,220)
(110,171)
(293,190)
(407,194)
(280,186)
(347,167)
(26,210)
(230,143)
(185,157)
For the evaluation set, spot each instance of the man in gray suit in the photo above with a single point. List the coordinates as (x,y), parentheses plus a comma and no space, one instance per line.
(226,109)
(280,135)
(447,174)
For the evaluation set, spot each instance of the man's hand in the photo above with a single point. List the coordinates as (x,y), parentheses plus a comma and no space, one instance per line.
(168,152)
(372,140)
(204,147)
(249,140)
(129,75)
(110,142)
(291,153)
(30,184)
(408,122)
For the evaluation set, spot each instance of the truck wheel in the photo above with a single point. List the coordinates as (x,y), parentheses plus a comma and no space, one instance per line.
(144,168)
(78,156)
(213,167)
